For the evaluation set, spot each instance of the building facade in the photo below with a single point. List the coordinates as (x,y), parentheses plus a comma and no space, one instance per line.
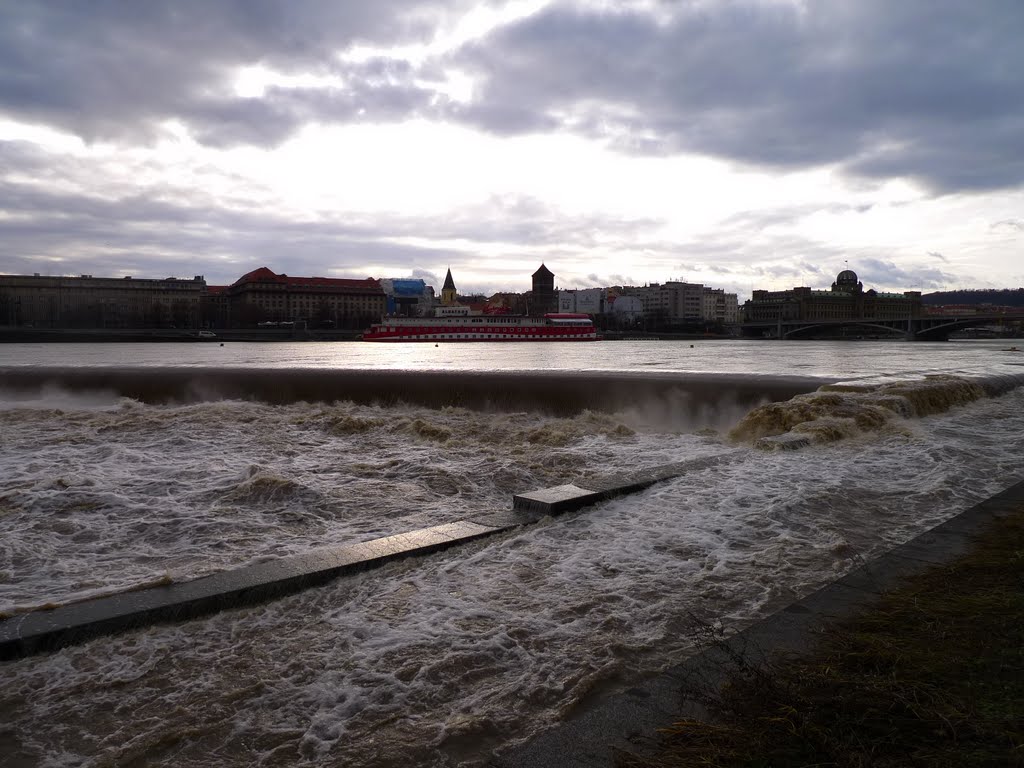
(507,303)
(407,296)
(264,296)
(46,301)
(846,300)
(719,307)
(671,302)
(590,301)
(626,309)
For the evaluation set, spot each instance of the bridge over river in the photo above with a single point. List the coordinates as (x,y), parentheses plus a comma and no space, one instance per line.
(924,328)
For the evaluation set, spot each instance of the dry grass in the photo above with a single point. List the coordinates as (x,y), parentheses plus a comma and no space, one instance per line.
(933,675)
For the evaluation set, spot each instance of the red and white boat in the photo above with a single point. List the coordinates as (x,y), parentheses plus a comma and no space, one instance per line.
(551,327)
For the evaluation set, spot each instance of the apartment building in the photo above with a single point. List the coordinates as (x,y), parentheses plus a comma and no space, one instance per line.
(719,306)
(674,302)
(48,301)
(591,301)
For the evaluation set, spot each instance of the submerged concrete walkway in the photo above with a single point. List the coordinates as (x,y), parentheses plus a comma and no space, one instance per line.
(42,630)
(45,630)
(622,721)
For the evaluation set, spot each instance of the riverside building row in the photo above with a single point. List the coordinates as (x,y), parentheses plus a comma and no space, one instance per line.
(263,297)
(260,296)
(668,303)
(100,302)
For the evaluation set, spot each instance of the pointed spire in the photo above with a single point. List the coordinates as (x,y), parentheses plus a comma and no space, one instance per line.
(449,296)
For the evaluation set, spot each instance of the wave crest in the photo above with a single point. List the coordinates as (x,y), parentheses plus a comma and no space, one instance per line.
(840,411)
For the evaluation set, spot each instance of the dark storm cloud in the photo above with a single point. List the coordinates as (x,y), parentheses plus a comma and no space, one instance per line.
(271,119)
(111,69)
(920,88)
(927,89)
(23,156)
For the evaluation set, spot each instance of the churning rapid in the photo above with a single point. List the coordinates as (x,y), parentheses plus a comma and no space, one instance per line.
(115,477)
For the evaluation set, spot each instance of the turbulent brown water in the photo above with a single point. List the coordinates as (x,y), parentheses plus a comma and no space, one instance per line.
(121,474)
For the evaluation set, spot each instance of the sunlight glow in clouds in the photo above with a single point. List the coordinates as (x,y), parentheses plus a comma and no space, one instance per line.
(252,82)
(740,143)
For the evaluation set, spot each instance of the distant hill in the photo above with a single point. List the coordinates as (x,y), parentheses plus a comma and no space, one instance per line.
(1003,297)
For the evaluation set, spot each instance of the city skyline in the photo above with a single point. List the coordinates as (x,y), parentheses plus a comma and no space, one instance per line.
(742,145)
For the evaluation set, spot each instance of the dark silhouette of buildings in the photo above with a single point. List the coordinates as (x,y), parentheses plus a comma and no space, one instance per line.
(264,296)
(543,298)
(45,301)
(846,300)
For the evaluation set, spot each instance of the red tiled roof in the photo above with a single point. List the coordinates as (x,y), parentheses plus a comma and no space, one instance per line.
(265,275)
(257,275)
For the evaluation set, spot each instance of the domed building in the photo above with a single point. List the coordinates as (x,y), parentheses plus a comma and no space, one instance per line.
(847,300)
(847,282)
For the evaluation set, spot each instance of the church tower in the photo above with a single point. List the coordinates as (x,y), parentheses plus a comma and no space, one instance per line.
(448,290)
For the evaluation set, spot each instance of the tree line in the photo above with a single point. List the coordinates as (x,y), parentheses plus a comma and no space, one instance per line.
(1003,297)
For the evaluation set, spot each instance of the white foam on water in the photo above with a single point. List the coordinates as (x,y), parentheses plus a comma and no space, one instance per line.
(54,398)
(439,660)
(846,410)
(96,501)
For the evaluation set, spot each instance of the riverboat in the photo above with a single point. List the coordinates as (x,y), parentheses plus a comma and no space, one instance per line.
(558,326)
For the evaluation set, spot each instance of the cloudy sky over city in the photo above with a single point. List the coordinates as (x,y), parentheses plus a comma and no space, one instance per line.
(747,144)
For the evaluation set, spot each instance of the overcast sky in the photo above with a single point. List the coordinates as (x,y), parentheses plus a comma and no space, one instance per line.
(748,144)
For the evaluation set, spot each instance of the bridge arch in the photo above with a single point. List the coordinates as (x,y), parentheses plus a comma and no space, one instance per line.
(943,329)
(890,330)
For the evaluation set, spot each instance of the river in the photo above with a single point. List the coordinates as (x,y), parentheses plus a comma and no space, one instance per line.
(125,464)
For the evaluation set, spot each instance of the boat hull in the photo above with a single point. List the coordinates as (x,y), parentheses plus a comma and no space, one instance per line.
(443,337)
(552,327)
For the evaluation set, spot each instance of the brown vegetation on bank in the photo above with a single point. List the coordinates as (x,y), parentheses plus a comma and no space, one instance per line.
(932,675)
